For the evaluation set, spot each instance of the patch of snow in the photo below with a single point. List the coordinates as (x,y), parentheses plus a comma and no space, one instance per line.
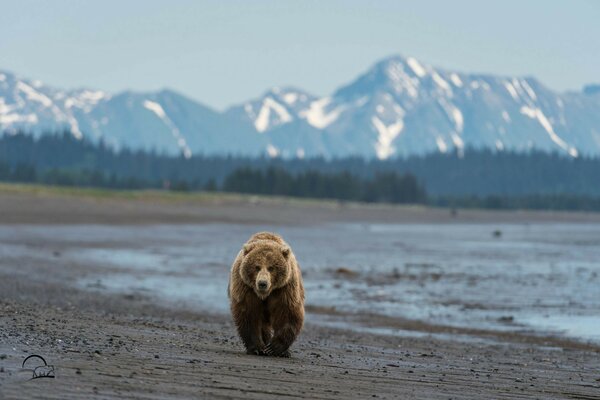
(380,109)
(456,80)
(2,77)
(402,81)
(475,85)
(4,109)
(519,88)
(272,151)
(33,94)
(160,113)
(548,127)
(387,134)
(528,111)
(536,113)
(92,96)
(454,114)
(441,144)
(85,100)
(529,90)
(499,145)
(416,67)
(316,115)
(249,111)
(75,128)
(511,89)
(300,153)
(505,116)
(290,98)
(458,142)
(58,113)
(441,82)
(155,108)
(573,152)
(262,122)
(8,119)
(458,118)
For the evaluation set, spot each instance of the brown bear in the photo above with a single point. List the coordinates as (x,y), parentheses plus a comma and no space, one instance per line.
(266,295)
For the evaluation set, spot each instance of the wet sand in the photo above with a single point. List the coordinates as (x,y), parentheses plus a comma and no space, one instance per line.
(111,345)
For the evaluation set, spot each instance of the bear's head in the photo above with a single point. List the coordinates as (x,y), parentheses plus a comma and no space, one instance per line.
(265,267)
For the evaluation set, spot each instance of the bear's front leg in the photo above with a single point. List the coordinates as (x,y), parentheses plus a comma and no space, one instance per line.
(287,325)
(247,317)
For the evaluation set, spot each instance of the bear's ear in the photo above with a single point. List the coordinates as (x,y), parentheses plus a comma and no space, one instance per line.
(285,251)
(248,248)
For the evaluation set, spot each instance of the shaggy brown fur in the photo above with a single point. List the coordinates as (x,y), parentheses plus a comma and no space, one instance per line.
(266,295)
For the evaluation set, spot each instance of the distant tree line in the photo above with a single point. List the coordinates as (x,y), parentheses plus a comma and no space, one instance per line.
(566,202)
(385,187)
(27,173)
(480,178)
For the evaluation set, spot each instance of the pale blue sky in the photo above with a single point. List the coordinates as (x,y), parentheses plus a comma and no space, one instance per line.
(224,52)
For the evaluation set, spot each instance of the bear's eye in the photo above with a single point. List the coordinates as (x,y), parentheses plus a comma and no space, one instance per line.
(271,269)
(257,268)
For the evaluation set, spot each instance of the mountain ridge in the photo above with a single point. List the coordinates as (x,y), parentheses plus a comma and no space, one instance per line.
(398,107)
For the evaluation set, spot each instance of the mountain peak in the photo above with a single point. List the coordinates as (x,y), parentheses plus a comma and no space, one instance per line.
(392,63)
(395,73)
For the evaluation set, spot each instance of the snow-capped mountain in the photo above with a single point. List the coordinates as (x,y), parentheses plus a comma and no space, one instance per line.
(163,121)
(31,105)
(400,106)
(276,107)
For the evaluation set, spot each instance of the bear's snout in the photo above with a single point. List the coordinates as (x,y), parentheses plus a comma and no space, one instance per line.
(263,282)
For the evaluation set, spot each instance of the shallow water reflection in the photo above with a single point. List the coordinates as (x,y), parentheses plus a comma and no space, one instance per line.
(540,277)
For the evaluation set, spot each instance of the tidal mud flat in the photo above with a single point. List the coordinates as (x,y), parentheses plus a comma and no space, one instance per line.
(440,309)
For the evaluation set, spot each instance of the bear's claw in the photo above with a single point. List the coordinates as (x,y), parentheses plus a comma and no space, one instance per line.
(275,351)
(255,352)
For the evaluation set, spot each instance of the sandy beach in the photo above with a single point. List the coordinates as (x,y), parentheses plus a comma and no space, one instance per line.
(132,344)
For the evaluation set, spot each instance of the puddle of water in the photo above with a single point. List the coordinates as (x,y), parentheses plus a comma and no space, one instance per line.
(577,326)
(127,259)
(190,292)
(332,323)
